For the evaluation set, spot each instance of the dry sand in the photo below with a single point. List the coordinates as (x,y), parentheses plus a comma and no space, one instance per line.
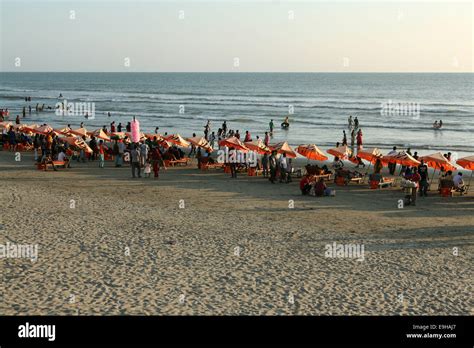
(236,248)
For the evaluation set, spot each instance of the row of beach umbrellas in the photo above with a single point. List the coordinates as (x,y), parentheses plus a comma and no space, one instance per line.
(310,151)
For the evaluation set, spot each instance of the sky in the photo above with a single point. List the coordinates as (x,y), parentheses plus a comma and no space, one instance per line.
(236,36)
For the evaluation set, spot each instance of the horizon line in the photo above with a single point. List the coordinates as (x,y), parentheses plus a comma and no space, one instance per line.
(249,72)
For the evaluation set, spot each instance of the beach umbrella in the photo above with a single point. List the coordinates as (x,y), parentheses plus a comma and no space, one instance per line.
(78,143)
(235,143)
(44,129)
(99,133)
(5,124)
(284,148)
(135,130)
(370,155)
(311,152)
(64,131)
(467,163)
(343,152)
(258,146)
(79,131)
(200,142)
(437,161)
(401,158)
(177,139)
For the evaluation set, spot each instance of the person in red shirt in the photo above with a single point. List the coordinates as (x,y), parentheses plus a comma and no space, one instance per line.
(248,137)
(320,188)
(155,156)
(305,185)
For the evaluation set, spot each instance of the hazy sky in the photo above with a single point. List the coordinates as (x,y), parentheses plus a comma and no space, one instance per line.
(284,36)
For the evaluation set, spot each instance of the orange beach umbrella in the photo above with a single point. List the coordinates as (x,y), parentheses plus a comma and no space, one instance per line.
(78,143)
(437,160)
(5,124)
(370,155)
(233,142)
(177,139)
(466,162)
(343,152)
(312,152)
(99,133)
(79,131)
(258,146)
(284,148)
(200,142)
(401,158)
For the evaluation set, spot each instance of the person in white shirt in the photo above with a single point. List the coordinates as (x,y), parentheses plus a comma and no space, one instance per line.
(283,168)
(392,166)
(459,183)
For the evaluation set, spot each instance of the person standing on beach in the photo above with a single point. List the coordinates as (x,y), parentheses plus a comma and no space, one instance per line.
(266,139)
(135,160)
(273,167)
(207,129)
(112,127)
(350,122)
(119,127)
(237,134)
(271,125)
(353,136)
(265,165)
(392,166)
(344,138)
(144,149)
(224,129)
(283,168)
(423,171)
(193,148)
(212,139)
(129,127)
(356,123)
(102,149)
(359,140)
(233,162)
(155,156)
(248,137)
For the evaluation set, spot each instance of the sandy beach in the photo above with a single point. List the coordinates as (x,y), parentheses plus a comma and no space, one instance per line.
(201,243)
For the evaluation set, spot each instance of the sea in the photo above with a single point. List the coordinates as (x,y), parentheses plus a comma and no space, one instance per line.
(393,109)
